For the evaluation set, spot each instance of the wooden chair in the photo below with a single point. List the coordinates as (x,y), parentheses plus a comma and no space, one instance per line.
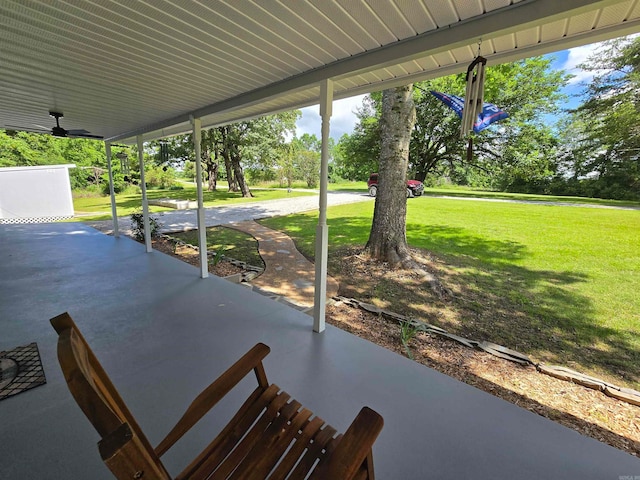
(271,436)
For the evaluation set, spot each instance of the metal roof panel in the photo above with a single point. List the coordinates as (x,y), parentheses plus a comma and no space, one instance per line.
(123,68)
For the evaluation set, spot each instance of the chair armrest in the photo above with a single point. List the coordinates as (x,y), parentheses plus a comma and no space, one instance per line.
(252,360)
(353,448)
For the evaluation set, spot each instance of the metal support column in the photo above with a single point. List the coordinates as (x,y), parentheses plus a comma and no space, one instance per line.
(322,230)
(114,210)
(145,201)
(196,124)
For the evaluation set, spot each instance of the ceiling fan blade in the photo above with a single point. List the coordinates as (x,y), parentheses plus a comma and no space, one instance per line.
(27,129)
(57,131)
(84,135)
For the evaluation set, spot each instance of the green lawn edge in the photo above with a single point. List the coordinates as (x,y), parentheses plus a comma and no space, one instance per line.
(570,274)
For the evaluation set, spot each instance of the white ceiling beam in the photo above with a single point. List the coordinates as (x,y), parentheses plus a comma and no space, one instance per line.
(500,58)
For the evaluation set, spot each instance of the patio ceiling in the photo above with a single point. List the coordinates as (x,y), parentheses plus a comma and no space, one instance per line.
(120,69)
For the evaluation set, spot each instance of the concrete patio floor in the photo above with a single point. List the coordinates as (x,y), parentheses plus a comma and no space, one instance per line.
(163,334)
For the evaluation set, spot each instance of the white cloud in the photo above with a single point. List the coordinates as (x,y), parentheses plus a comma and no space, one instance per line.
(576,57)
(580,55)
(343,118)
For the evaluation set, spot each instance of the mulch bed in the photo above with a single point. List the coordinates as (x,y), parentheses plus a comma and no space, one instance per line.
(587,411)
(222,269)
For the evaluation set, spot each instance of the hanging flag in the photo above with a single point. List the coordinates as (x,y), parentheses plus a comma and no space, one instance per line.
(490,113)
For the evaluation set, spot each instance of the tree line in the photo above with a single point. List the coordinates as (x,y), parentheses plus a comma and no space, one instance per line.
(265,149)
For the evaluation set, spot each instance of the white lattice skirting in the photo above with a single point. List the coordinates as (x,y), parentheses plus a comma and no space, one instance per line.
(9,221)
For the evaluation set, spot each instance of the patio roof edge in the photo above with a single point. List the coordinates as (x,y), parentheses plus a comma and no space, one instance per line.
(497,22)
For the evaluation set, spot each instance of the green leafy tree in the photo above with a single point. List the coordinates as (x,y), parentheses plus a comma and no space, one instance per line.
(210,141)
(28,149)
(255,143)
(520,153)
(180,152)
(189,170)
(160,176)
(25,148)
(605,160)
(285,168)
(308,167)
(306,159)
(309,142)
(358,153)
(528,90)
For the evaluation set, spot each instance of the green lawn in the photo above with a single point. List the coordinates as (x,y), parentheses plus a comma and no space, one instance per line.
(129,203)
(348,186)
(457,191)
(233,243)
(560,283)
(454,191)
(467,192)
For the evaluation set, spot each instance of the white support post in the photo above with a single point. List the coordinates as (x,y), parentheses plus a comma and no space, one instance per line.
(196,124)
(322,230)
(114,210)
(145,201)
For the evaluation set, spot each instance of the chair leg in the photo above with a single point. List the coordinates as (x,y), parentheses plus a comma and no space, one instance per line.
(369,466)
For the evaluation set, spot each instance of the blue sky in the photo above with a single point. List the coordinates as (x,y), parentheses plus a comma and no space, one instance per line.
(343,119)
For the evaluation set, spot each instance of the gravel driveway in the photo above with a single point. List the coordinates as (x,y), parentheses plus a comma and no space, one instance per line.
(179,220)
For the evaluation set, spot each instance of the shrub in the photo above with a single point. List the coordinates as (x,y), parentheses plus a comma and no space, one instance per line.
(160,177)
(335,178)
(256,175)
(119,183)
(218,257)
(78,179)
(308,167)
(137,226)
(408,331)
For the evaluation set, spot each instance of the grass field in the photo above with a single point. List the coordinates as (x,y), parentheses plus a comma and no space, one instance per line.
(467,192)
(128,203)
(559,283)
(233,243)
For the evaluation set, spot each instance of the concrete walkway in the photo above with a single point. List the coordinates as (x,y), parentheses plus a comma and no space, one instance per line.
(287,272)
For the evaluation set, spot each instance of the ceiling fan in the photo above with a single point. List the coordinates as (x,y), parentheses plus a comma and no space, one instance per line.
(57,131)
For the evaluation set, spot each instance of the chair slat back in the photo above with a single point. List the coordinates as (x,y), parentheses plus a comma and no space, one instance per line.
(123,443)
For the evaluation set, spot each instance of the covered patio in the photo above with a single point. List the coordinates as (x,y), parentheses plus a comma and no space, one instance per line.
(134,72)
(163,334)
(131,73)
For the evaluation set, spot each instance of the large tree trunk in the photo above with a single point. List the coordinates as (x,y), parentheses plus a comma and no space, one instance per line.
(207,146)
(213,169)
(226,154)
(388,239)
(212,174)
(231,179)
(239,174)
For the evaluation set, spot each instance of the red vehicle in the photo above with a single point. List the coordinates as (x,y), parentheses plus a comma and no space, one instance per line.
(414,187)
